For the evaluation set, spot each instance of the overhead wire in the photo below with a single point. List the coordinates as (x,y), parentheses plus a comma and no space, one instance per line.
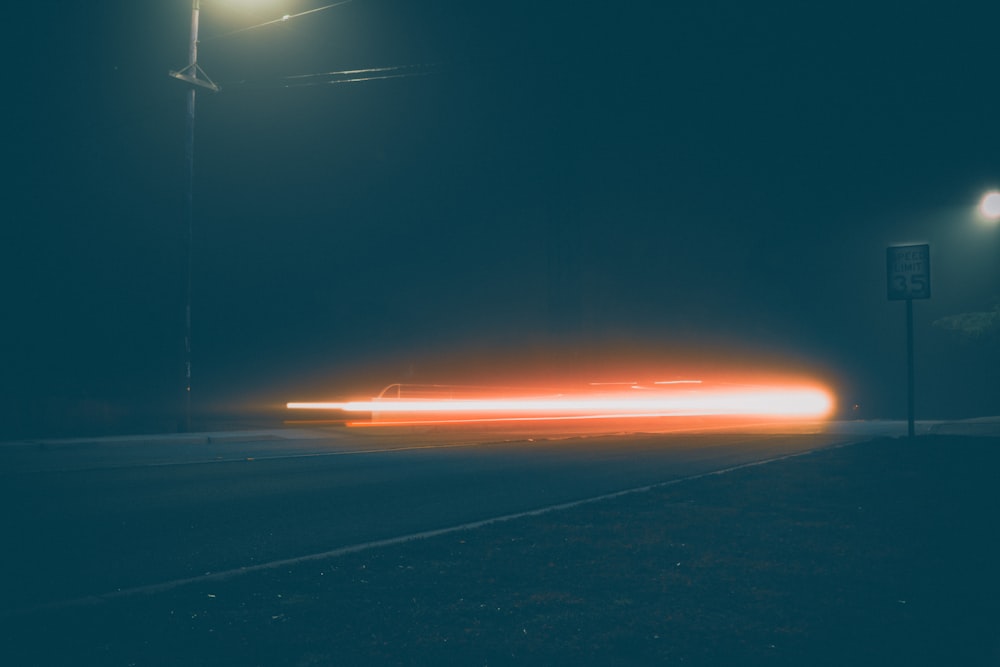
(283,19)
(330,77)
(357,75)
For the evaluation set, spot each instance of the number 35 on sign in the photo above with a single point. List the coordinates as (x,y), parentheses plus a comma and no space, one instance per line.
(908,272)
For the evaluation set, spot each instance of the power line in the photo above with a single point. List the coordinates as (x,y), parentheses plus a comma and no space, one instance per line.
(283,19)
(344,76)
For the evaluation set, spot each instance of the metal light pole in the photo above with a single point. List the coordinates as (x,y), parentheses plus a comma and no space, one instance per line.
(196,78)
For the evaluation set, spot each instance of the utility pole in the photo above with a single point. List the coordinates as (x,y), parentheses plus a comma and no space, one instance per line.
(196,78)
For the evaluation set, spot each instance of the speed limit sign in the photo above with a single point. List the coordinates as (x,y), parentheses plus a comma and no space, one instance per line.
(908,272)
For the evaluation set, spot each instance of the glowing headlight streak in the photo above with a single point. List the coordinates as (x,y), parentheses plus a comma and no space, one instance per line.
(773,402)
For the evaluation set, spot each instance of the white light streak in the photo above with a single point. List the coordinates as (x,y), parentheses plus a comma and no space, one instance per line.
(757,401)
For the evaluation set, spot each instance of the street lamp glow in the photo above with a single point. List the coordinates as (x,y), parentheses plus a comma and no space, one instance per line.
(247,5)
(989,206)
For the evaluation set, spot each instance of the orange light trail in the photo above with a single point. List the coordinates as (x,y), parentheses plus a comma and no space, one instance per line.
(799,402)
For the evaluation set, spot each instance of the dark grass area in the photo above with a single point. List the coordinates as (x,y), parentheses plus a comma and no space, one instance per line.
(876,554)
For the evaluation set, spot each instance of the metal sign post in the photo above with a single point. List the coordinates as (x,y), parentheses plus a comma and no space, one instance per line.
(908,277)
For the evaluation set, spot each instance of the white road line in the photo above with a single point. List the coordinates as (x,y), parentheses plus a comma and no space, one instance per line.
(391,541)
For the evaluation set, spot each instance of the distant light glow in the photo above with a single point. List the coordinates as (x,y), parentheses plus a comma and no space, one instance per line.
(682,399)
(247,5)
(989,206)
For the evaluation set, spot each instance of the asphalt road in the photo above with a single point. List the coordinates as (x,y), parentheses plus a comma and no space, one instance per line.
(91,518)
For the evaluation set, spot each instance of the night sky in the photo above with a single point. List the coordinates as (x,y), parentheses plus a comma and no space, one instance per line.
(580,190)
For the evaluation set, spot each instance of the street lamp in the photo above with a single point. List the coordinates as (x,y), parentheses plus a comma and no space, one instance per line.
(989,205)
(196,78)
